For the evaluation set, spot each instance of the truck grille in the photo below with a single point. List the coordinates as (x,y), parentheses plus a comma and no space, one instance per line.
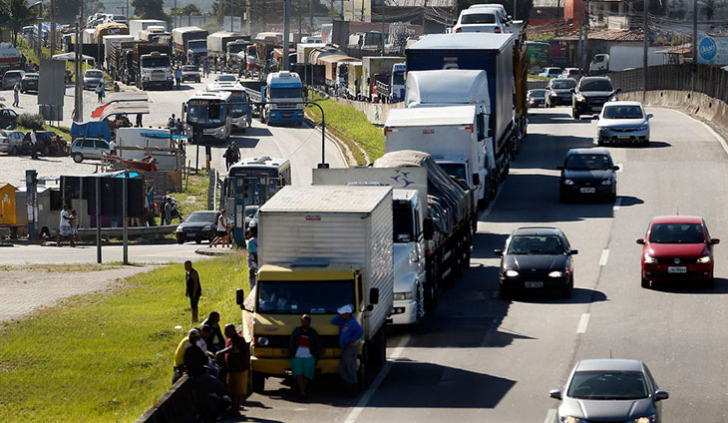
(281,341)
(287,106)
(158,75)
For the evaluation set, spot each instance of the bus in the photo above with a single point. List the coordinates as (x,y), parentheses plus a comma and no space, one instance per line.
(210,113)
(241,111)
(252,182)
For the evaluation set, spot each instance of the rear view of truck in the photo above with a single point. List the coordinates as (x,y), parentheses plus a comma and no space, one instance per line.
(321,247)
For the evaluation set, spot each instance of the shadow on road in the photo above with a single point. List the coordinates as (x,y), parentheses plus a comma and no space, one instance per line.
(578,296)
(653,145)
(690,287)
(627,200)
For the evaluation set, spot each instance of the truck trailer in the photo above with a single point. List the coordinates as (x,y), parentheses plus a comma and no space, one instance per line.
(190,42)
(375,69)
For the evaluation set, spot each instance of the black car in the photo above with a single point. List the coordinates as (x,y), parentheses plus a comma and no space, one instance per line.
(8,118)
(558,91)
(49,144)
(535,98)
(588,173)
(29,83)
(590,95)
(199,226)
(536,259)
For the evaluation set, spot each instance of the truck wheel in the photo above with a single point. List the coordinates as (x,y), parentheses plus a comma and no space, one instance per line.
(258,382)
(77,157)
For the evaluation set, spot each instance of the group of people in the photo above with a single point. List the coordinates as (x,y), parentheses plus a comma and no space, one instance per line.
(223,231)
(231,154)
(175,126)
(217,365)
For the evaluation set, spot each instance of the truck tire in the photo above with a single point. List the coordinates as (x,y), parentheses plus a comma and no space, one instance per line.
(432,288)
(379,354)
(258,382)
(362,374)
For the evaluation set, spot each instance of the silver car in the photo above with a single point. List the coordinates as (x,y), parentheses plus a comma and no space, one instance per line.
(11,141)
(623,122)
(610,390)
(89,148)
(92,78)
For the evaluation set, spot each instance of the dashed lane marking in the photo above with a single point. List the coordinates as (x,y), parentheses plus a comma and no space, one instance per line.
(583,323)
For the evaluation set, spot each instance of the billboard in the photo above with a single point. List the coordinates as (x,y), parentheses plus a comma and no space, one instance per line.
(712,50)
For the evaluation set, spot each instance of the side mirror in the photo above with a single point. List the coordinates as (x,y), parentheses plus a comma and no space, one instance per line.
(476,179)
(555,394)
(661,395)
(640,241)
(573,252)
(714,241)
(617,91)
(498,253)
(374,296)
(240,300)
(650,116)
(428,228)
(595,117)
(615,168)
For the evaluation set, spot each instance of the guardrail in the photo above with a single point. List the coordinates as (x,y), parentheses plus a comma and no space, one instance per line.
(173,406)
(133,231)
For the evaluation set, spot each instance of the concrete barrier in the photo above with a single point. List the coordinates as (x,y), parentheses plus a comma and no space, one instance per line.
(376,113)
(173,406)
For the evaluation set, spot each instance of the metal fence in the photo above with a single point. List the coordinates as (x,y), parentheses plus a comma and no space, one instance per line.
(709,80)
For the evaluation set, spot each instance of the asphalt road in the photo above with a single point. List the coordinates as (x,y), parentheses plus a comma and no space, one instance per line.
(483,359)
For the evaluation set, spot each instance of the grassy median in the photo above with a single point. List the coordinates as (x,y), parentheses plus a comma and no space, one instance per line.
(108,357)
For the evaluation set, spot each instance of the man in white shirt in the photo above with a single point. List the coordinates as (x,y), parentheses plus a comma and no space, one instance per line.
(67,225)
(112,146)
(34,145)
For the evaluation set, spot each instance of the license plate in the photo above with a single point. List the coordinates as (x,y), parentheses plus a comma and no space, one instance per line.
(677,270)
(588,190)
(537,284)
(623,137)
(286,115)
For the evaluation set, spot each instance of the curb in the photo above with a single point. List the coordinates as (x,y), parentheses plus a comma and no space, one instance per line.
(207,251)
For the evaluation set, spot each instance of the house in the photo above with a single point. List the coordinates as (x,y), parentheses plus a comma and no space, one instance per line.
(546,12)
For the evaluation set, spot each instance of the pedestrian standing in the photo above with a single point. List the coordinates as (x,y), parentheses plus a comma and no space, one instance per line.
(304,349)
(168,211)
(139,120)
(194,289)
(16,94)
(206,67)
(253,256)
(34,145)
(178,77)
(179,127)
(349,334)
(112,147)
(66,225)
(237,361)
(101,91)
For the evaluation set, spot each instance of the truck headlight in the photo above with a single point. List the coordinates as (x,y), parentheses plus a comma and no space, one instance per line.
(262,341)
(402,296)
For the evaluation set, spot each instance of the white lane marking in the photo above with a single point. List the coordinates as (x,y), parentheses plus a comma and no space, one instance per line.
(604,258)
(621,167)
(356,411)
(550,416)
(617,203)
(583,323)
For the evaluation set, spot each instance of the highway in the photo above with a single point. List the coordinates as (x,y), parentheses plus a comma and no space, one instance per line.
(483,359)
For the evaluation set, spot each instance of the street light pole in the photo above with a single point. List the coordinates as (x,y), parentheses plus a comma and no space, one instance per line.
(286,32)
(645,46)
(695,34)
(581,41)
(323,164)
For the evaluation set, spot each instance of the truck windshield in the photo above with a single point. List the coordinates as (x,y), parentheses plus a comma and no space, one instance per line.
(205,112)
(403,222)
(235,48)
(455,170)
(398,78)
(286,93)
(156,62)
(237,104)
(197,44)
(314,297)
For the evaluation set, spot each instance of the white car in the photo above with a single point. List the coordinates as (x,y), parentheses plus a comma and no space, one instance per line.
(226,77)
(89,148)
(481,19)
(505,17)
(10,142)
(623,122)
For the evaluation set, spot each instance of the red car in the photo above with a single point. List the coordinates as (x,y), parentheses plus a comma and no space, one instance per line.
(677,248)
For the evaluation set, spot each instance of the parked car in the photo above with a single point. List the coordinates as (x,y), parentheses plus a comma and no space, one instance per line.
(11,77)
(250,213)
(677,248)
(536,259)
(11,142)
(8,118)
(590,95)
(550,72)
(610,390)
(559,91)
(571,73)
(92,78)
(481,19)
(536,97)
(588,173)
(623,121)
(226,77)
(29,83)
(199,226)
(89,148)
(49,144)
(191,73)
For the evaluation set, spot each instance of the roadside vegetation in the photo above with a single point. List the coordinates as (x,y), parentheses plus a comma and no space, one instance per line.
(350,126)
(194,193)
(108,356)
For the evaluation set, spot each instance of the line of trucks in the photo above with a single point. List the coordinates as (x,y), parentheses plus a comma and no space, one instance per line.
(387,237)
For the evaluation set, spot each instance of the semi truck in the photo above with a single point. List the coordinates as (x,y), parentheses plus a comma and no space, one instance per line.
(494,54)
(109,28)
(190,42)
(136,26)
(152,66)
(109,42)
(233,60)
(279,100)
(378,68)
(620,58)
(321,248)
(217,45)
(392,90)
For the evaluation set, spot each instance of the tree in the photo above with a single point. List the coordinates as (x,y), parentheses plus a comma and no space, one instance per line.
(191,9)
(149,9)
(20,16)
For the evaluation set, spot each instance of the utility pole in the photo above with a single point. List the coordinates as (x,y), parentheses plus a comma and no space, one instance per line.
(645,46)
(515,9)
(78,115)
(53,28)
(581,38)
(39,34)
(310,14)
(300,18)
(286,32)
(247,17)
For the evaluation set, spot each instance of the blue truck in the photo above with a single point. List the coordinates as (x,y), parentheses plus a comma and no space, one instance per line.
(492,53)
(279,100)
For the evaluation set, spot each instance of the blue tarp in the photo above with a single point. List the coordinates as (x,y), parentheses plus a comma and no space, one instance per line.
(91,130)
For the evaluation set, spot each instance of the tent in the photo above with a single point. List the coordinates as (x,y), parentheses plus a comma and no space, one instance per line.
(72,56)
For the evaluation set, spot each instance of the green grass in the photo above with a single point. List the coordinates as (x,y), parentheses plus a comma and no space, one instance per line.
(538,77)
(195,197)
(352,127)
(63,131)
(108,356)
(545,36)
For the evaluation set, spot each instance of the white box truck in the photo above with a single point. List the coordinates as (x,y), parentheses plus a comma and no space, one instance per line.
(320,247)
(138,25)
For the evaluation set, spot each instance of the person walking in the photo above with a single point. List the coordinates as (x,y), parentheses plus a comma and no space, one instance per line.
(179,127)
(228,155)
(304,349)
(222,230)
(194,289)
(237,361)
(349,334)
(253,256)
(178,77)
(66,226)
(139,120)
(206,67)
(101,91)
(16,94)
(34,145)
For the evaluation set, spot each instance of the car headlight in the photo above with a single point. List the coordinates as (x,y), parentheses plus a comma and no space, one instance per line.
(648,419)
(570,419)
(649,259)
(556,274)
(511,274)
(262,341)
(568,182)
(607,181)
(704,259)
(179,229)
(401,296)
(580,97)
(207,228)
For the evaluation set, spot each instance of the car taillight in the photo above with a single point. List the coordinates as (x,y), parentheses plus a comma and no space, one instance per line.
(458,30)
(497,30)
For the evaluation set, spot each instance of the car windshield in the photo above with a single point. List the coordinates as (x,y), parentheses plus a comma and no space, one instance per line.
(94,74)
(677,233)
(536,244)
(563,85)
(404,230)
(202,217)
(588,162)
(623,112)
(596,85)
(478,18)
(537,93)
(608,385)
(190,69)
(314,297)
(230,78)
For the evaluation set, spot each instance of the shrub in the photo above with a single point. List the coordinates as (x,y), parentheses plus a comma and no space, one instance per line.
(31,121)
